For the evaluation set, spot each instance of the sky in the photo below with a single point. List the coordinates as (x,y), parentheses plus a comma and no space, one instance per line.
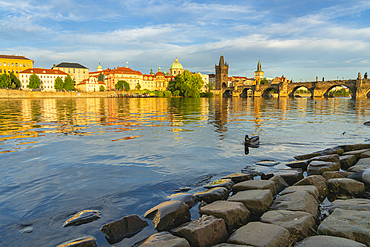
(298,39)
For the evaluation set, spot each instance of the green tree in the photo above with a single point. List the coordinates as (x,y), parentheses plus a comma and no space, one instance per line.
(187,83)
(210,86)
(102,88)
(119,85)
(15,82)
(138,86)
(58,84)
(264,81)
(68,83)
(126,86)
(34,81)
(5,81)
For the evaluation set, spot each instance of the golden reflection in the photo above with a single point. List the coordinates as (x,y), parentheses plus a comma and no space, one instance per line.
(127,138)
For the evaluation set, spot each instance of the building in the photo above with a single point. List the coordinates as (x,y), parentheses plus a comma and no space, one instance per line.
(77,71)
(112,76)
(47,78)
(176,68)
(258,74)
(205,79)
(90,85)
(14,64)
(222,72)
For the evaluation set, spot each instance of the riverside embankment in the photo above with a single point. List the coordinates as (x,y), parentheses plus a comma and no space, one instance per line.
(25,94)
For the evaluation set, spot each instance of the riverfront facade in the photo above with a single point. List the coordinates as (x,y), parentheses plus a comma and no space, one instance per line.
(47,78)
(77,71)
(14,64)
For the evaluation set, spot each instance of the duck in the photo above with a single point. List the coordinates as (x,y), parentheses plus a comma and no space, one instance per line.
(253,141)
(363,176)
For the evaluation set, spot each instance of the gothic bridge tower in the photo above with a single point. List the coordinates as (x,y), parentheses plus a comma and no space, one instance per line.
(222,73)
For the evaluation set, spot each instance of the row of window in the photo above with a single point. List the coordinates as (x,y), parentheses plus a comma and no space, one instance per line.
(74,70)
(15,64)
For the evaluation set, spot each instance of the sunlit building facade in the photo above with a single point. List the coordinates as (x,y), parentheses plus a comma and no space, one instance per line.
(46,76)
(77,72)
(14,64)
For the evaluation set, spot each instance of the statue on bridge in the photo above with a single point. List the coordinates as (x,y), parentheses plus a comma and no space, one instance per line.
(365,75)
(359,77)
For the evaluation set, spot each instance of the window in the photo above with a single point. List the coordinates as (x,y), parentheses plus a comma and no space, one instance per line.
(16,64)
(20,65)
(1,71)
(8,65)
(24,65)
(12,64)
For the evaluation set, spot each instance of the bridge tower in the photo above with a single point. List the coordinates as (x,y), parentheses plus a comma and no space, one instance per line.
(222,73)
(258,73)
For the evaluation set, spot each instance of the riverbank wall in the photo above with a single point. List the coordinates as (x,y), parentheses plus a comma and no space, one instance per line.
(22,94)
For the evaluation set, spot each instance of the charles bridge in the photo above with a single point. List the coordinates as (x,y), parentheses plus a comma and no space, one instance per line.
(360,88)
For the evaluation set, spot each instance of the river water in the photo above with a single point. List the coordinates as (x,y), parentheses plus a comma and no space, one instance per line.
(123,156)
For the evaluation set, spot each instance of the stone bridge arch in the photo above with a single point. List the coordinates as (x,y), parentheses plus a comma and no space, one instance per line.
(351,88)
(247,92)
(266,92)
(292,91)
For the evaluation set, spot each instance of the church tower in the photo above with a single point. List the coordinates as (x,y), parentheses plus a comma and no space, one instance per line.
(222,73)
(258,73)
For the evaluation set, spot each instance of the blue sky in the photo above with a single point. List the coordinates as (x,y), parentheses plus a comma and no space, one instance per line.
(297,39)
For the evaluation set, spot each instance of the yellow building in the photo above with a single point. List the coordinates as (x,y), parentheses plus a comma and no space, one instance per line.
(91,85)
(77,72)
(15,64)
(258,74)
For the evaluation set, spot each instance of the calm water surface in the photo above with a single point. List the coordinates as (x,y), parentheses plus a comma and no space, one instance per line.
(123,156)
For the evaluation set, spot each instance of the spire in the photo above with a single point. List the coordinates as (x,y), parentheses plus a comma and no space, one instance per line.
(151,70)
(222,62)
(259,65)
(159,68)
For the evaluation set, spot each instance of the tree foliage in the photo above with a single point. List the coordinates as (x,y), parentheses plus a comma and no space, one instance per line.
(5,81)
(68,83)
(126,86)
(15,82)
(102,88)
(264,81)
(210,86)
(119,85)
(187,84)
(34,81)
(138,86)
(58,84)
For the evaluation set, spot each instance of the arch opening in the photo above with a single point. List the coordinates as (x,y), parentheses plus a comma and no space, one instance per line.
(270,93)
(301,92)
(338,91)
(247,92)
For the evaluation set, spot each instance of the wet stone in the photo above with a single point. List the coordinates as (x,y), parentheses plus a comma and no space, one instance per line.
(327,158)
(291,176)
(185,197)
(205,231)
(163,239)
(357,153)
(354,147)
(307,156)
(124,227)
(361,164)
(297,201)
(298,223)
(335,150)
(215,194)
(260,234)
(302,164)
(346,186)
(316,180)
(87,241)
(280,183)
(231,245)
(347,161)
(357,204)
(226,183)
(168,215)
(256,201)
(319,167)
(309,188)
(349,224)
(82,217)
(255,185)
(183,189)
(365,154)
(234,214)
(336,174)
(238,177)
(328,241)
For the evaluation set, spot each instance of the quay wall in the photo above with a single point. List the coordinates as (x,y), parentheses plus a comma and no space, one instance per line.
(21,94)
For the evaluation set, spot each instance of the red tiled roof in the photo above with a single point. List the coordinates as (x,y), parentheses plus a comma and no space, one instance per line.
(43,71)
(14,57)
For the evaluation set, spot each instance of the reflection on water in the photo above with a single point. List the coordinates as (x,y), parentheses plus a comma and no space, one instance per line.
(123,156)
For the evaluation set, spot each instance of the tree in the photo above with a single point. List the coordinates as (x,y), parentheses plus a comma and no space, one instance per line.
(187,83)
(15,82)
(138,86)
(58,84)
(68,83)
(126,86)
(119,85)
(264,81)
(34,81)
(210,86)
(5,81)
(102,88)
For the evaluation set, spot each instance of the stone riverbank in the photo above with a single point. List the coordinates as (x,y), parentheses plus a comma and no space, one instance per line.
(311,203)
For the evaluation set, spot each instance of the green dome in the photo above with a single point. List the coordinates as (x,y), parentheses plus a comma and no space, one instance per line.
(176,65)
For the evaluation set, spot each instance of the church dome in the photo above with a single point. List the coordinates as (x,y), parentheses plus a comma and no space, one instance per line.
(176,65)
(100,68)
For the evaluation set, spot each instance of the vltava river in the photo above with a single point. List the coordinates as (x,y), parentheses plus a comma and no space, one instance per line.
(124,156)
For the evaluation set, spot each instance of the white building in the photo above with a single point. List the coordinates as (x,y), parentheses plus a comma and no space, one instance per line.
(205,79)
(46,76)
(91,85)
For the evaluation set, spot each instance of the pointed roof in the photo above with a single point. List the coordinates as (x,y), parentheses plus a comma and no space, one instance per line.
(259,66)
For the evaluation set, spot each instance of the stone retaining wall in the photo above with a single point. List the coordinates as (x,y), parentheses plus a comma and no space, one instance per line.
(18,94)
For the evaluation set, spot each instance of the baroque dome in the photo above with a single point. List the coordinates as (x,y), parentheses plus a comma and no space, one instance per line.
(176,65)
